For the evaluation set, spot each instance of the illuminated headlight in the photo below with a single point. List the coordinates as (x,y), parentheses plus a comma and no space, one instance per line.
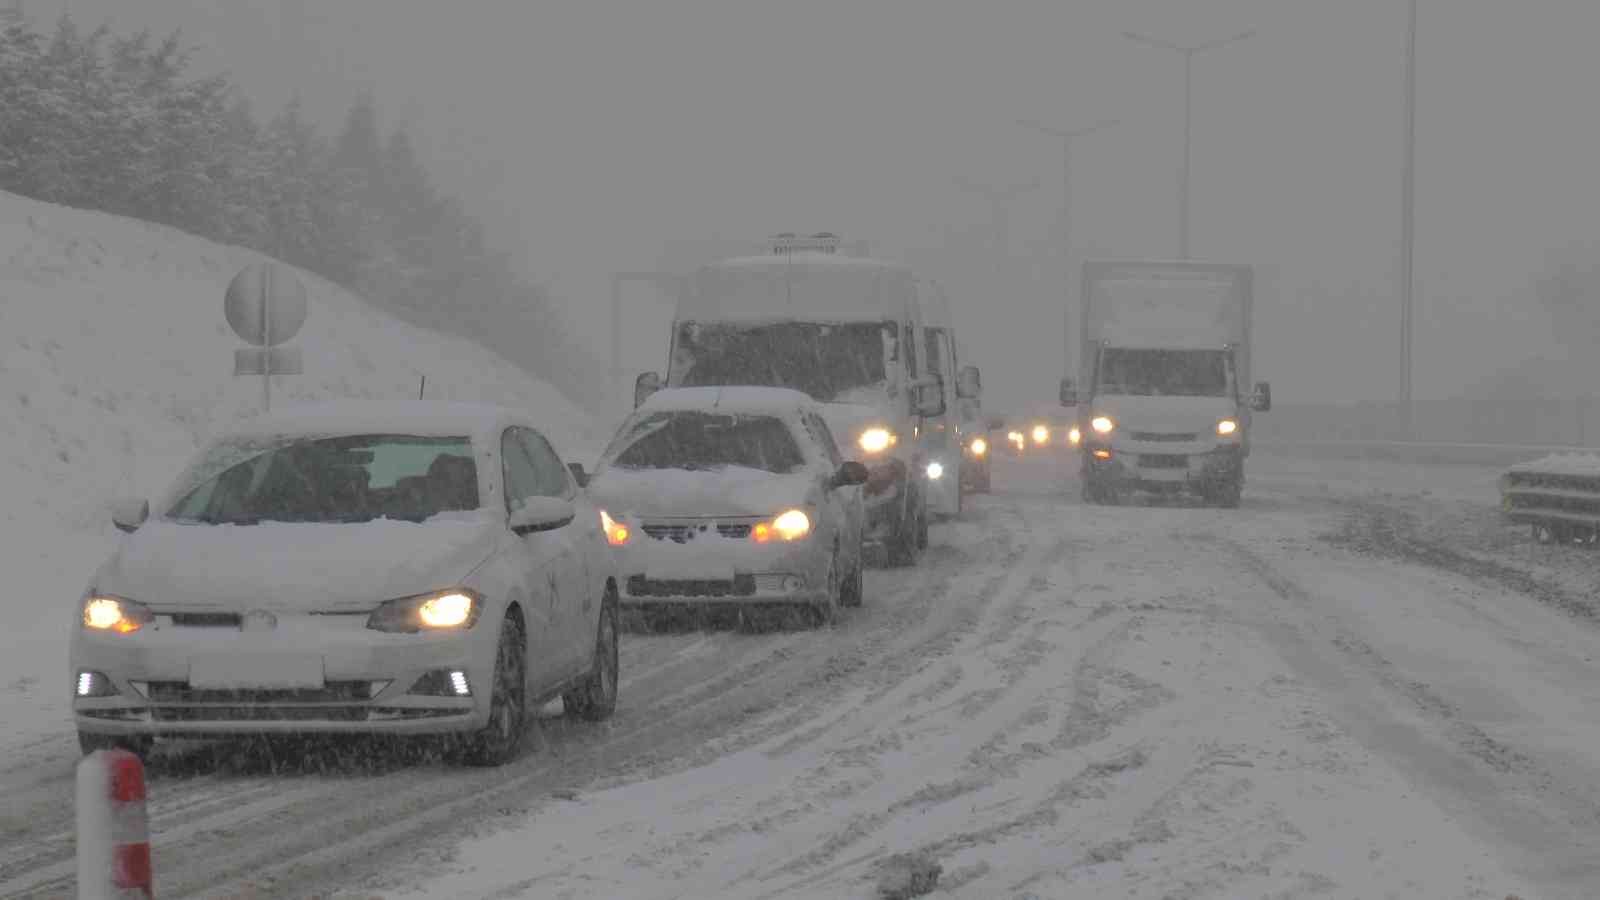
(979,446)
(791,526)
(441,611)
(935,470)
(1041,434)
(617,533)
(94,684)
(876,440)
(1227,427)
(115,614)
(1102,424)
(1074,435)
(1015,437)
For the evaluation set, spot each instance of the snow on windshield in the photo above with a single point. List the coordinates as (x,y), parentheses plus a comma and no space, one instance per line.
(351,478)
(1165,373)
(696,440)
(825,361)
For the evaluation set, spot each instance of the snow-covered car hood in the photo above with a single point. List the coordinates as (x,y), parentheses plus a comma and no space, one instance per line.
(1168,415)
(681,493)
(282,566)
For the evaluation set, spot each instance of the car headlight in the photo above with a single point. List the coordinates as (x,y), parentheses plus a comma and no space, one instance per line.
(1015,437)
(1074,435)
(1102,424)
(935,470)
(1227,427)
(1041,434)
(454,609)
(876,440)
(790,526)
(106,613)
(979,446)
(617,533)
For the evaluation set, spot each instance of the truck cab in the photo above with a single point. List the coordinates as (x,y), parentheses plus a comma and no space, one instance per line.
(1164,361)
(846,331)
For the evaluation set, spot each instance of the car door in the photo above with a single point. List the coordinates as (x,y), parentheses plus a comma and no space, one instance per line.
(576,603)
(843,504)
(536,559)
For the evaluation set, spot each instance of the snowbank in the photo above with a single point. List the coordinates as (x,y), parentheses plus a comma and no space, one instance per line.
(116,361)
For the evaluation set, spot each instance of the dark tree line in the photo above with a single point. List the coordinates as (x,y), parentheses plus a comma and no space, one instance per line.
(95,120)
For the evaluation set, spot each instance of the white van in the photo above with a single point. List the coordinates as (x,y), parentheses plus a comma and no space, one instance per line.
(845,330)
(946,437)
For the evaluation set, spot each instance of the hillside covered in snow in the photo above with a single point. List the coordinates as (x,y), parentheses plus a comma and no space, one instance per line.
(115,362)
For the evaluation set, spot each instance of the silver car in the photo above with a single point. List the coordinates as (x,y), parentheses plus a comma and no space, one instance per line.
(733,495)
(422,569)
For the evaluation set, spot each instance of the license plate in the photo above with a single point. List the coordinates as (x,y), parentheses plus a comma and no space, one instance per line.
(688,570)
(255,670)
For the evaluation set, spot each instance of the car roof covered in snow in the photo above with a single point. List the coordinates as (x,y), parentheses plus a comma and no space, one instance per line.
(416,417)
(770,401)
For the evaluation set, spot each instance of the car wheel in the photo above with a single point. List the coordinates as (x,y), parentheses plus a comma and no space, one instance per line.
(922,524)
(853,589)
(497,743)
(822,614)
(596,698)
(89,742)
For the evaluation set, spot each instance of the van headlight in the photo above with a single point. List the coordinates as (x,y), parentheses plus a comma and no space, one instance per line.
(1102,424)
(979,446)
(876,440)
(1227,427)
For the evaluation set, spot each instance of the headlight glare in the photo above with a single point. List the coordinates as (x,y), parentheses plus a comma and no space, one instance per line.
(1102,424)
(1227,427)
(935,470)
(792,525)
(440,611)
(876,440)
(617,533)
(1074,435)
(1041,434)
(979,446)
(101,613)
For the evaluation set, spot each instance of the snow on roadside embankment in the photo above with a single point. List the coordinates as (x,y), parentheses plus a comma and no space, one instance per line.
(116,360)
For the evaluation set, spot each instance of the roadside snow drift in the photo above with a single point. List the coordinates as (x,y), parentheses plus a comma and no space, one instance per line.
(116,361)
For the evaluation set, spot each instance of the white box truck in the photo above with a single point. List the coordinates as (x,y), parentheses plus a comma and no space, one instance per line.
(1163,387)
(845,330)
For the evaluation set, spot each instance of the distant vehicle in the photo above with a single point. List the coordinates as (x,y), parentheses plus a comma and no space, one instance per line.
(733,496)
(947,438)
(1162,374)
(847,332)
(1036,433)
(418,569)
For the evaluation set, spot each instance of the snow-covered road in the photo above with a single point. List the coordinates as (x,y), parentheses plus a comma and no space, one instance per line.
(1318,695)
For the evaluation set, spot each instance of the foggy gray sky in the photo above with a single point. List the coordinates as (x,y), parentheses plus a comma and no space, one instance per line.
(592,132)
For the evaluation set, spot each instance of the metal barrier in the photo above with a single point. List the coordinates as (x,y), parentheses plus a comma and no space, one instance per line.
(1558,496)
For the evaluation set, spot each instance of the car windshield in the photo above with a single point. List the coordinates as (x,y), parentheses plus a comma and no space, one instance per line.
(700,441)
(1166,373)
(826,361)
(352,478)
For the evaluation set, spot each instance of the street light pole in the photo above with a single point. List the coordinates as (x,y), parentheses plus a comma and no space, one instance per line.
(1067,137)
(1408,222)
(1188,52)
(999,202)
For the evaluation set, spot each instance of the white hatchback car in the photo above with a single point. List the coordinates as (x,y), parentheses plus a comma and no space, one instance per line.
(733,495)
(417,569)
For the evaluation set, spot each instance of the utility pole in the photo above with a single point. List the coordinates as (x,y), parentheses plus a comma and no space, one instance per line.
(1408,200)
(1188,52)
(1067,137)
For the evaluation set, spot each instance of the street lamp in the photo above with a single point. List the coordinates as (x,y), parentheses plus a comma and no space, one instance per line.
(1188,52)
(1067,137)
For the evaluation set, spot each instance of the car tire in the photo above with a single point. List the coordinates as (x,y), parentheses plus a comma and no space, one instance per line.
(89,742)
(596,699)
(922,523)
(498,741)
(852,592)
(822,614)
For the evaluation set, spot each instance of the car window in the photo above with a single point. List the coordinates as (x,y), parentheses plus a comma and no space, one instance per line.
(910,343)
(553,479)
(522,477)
(824,438)
(703,441)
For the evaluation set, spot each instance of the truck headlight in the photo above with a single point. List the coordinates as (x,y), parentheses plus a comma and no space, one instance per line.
(876,440)
(1102,424)
(1227,427)
(1041,434)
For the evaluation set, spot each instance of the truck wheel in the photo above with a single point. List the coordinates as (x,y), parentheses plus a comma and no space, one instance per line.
(902,543)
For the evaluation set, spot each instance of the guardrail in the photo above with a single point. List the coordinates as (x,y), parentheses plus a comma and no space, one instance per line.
(1438,452)
(1558,496)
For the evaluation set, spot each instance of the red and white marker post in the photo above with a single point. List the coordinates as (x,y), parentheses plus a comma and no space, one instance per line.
(113,828)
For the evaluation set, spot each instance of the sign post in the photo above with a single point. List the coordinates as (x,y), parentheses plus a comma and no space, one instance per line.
(266,306)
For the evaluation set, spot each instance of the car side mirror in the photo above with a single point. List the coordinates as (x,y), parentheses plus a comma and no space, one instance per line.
(1261,400)
(849,474)
(644,386)
(1069,393)
(928,399)
(129,514)
(578,474)
(969,385)
(542,514)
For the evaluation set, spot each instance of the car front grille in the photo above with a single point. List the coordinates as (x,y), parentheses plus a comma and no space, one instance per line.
(1163,461)
(737,586)
(1157,437)
(683,533)
(332,692)
(264,713)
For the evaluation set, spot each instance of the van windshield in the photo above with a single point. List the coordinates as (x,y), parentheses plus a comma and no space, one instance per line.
(1166,373)
(828,361)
